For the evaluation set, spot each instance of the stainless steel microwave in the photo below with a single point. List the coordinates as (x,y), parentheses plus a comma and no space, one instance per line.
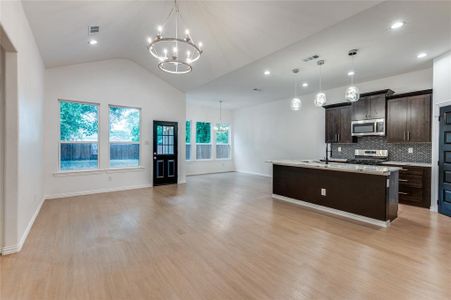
(368,127)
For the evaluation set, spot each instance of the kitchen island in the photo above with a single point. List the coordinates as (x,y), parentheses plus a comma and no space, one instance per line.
(360,192)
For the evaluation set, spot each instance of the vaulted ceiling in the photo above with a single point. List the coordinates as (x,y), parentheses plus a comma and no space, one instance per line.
(242,38)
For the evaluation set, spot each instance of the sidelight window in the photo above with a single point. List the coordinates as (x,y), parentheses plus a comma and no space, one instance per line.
(188,140)
(79,130)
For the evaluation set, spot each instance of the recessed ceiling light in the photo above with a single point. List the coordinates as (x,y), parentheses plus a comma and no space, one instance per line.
(93,42)
(305,84)
(351,73)
(396,25)
(422,54)
(267,73)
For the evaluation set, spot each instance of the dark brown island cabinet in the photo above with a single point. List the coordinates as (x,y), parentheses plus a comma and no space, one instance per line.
(371,196)
(338,123)
(409,117)
(414,185)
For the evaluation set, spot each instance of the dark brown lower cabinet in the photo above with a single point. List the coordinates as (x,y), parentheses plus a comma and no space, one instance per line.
(415,186)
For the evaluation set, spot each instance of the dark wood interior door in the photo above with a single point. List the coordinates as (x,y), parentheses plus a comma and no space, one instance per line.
(397,120)
(164,152)
(444,202)
(419,119)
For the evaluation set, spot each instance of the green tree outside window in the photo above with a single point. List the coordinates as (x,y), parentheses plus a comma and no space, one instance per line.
(78,121)
(203,133)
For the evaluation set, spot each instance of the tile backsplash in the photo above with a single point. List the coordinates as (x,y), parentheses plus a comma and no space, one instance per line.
(422,152)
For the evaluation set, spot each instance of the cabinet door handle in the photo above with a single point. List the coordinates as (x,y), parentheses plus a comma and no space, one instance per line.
(402,193)
(408,135)
(338,139)
(403,180)
(404,136)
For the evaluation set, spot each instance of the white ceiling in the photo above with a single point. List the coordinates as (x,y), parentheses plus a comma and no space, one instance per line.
(234,33)
(243,38)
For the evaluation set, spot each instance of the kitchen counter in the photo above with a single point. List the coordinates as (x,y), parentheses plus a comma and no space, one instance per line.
(405,163)
(338,166)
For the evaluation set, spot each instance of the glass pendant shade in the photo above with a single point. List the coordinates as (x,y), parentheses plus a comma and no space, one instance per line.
(352,94)
(296,104)
(221,127)
(320,99)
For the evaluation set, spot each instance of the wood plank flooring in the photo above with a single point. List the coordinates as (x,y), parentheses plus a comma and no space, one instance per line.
(222,236)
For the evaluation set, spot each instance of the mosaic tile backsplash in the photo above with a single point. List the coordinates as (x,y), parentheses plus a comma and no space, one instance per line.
(422,152)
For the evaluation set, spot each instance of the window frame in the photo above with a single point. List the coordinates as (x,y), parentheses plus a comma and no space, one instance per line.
(229,143)
(211,142)
(190,138)
(78,142)
(128,143)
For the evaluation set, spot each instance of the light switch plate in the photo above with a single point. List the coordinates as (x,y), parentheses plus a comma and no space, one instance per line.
(339,149)
(323,192)
(410,150)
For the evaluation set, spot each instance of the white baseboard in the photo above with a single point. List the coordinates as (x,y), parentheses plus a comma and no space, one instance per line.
(254,173)
(16,248)
(206,173)
(333,211)
(106,190)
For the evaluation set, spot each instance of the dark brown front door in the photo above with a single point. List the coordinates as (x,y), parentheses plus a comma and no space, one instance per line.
(444,202)
(164,152)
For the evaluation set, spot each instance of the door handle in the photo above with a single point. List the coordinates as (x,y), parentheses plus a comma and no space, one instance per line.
(154,157)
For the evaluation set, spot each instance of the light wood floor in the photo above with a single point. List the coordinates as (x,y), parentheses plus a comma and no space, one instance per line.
(223,237)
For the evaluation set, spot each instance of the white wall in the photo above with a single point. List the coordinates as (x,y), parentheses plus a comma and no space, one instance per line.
(272,131)
(24,143)
(201,113)
(441,97)
(120,82)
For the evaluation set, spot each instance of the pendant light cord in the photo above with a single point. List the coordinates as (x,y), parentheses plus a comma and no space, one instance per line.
(320,79)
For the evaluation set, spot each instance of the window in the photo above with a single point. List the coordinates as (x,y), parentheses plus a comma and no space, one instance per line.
(188,140)
(125,134)
(203,140)
(79,128)
(223,142)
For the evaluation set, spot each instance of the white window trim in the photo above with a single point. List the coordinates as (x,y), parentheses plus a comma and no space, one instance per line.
(125,142)
(211,144)
(229,144)
(58,168)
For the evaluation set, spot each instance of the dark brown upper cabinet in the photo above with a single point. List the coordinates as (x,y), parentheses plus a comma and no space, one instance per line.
(409,117)
(338,124)
(370,106)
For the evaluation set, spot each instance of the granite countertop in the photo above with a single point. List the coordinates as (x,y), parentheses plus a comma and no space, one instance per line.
(406,163)
(343,167)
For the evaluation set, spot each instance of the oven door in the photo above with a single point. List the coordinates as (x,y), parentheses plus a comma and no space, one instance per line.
(368,127)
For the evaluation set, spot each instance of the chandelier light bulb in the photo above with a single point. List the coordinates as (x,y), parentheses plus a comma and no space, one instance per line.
(320,99)
(149,40)
(352,94)
(174,49)
(296,104)
(160,29)
(200,44)
(351,73)
(187,31)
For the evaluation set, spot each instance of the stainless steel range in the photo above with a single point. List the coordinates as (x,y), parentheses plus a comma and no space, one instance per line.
(369,157)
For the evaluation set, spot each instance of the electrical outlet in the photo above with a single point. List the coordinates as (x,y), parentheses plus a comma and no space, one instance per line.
(339,149)
(410,150)
(323,192)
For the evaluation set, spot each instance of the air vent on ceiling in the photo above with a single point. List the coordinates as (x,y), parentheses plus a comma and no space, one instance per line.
(257,90)
(93,29)
(316,56)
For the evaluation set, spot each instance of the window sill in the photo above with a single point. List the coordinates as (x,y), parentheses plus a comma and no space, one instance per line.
(97,171)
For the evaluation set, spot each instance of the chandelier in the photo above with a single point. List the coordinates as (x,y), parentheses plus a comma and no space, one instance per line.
(220,127)
(320,98)
(296,102)
(176,53)
(352,93)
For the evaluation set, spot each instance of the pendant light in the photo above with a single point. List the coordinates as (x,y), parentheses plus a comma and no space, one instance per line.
(296,103)
(352,93)
(320,98)
(220,127)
